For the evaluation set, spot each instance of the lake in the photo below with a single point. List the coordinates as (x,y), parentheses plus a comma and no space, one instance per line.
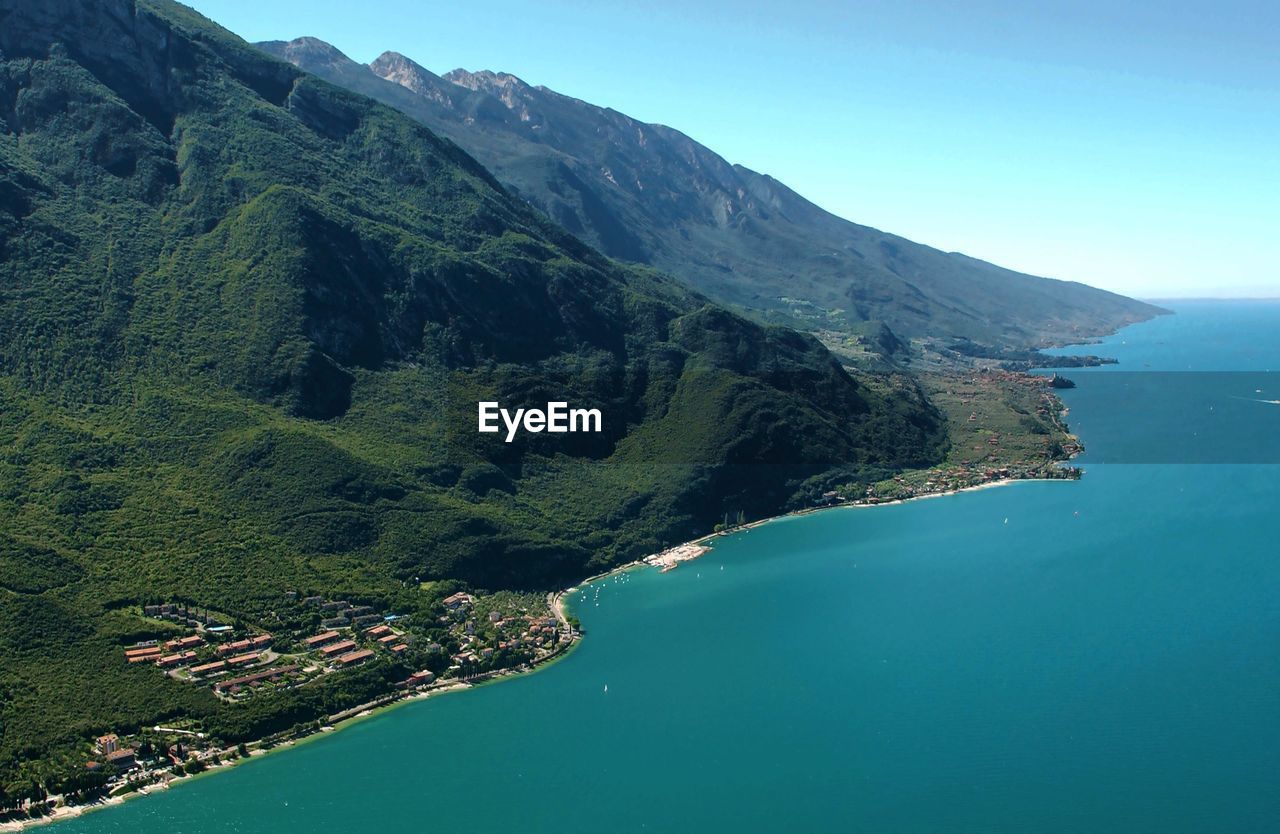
(1101,655)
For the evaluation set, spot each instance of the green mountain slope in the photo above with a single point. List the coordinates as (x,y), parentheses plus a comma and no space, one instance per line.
(245,319)
(647,193)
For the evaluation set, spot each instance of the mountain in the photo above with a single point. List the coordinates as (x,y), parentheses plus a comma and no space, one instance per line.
(245,320)
(649,194)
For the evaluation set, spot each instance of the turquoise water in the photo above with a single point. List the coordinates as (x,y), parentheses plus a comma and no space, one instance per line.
(1044,657)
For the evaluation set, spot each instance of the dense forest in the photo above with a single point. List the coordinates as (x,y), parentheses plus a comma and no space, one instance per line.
(245,318)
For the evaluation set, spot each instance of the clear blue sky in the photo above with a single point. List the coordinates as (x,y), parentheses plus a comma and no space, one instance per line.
(1134,146)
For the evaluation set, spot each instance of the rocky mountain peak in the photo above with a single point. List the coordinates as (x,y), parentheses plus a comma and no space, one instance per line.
(515,94)
(308,50)
(486,80)
(409,74)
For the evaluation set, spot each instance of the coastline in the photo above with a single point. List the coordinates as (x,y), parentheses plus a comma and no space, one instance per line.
(348,718)
(557,602)
(704,543)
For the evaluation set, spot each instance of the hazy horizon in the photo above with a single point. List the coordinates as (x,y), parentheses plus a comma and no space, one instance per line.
(1048,141)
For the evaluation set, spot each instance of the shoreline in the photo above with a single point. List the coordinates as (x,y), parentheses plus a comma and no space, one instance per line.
(339,721)
(705,545)
(665,560)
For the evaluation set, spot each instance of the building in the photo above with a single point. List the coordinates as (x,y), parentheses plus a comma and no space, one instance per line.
(249,643)
(338,648)
(140,654)
(388,639)
(208,668)
(244,659)
(123,759)
(453,602)
(175,659)
(108,744)
(234,684)
(184,643)
(355,658)
(378,631)
(398,648)
(320,639)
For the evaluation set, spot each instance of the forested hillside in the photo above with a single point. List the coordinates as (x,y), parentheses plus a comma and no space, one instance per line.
(245,318)
(648,193)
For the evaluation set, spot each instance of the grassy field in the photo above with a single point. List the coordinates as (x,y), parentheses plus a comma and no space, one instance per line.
(999,418)
(1000,424)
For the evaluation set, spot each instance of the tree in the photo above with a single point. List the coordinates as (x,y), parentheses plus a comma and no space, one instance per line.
(22,790)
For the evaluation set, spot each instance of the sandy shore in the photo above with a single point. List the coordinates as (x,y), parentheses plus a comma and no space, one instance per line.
(985,485)
(62,812)
(671,558)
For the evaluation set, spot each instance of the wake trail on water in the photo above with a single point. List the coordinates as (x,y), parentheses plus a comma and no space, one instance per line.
(1255,400)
